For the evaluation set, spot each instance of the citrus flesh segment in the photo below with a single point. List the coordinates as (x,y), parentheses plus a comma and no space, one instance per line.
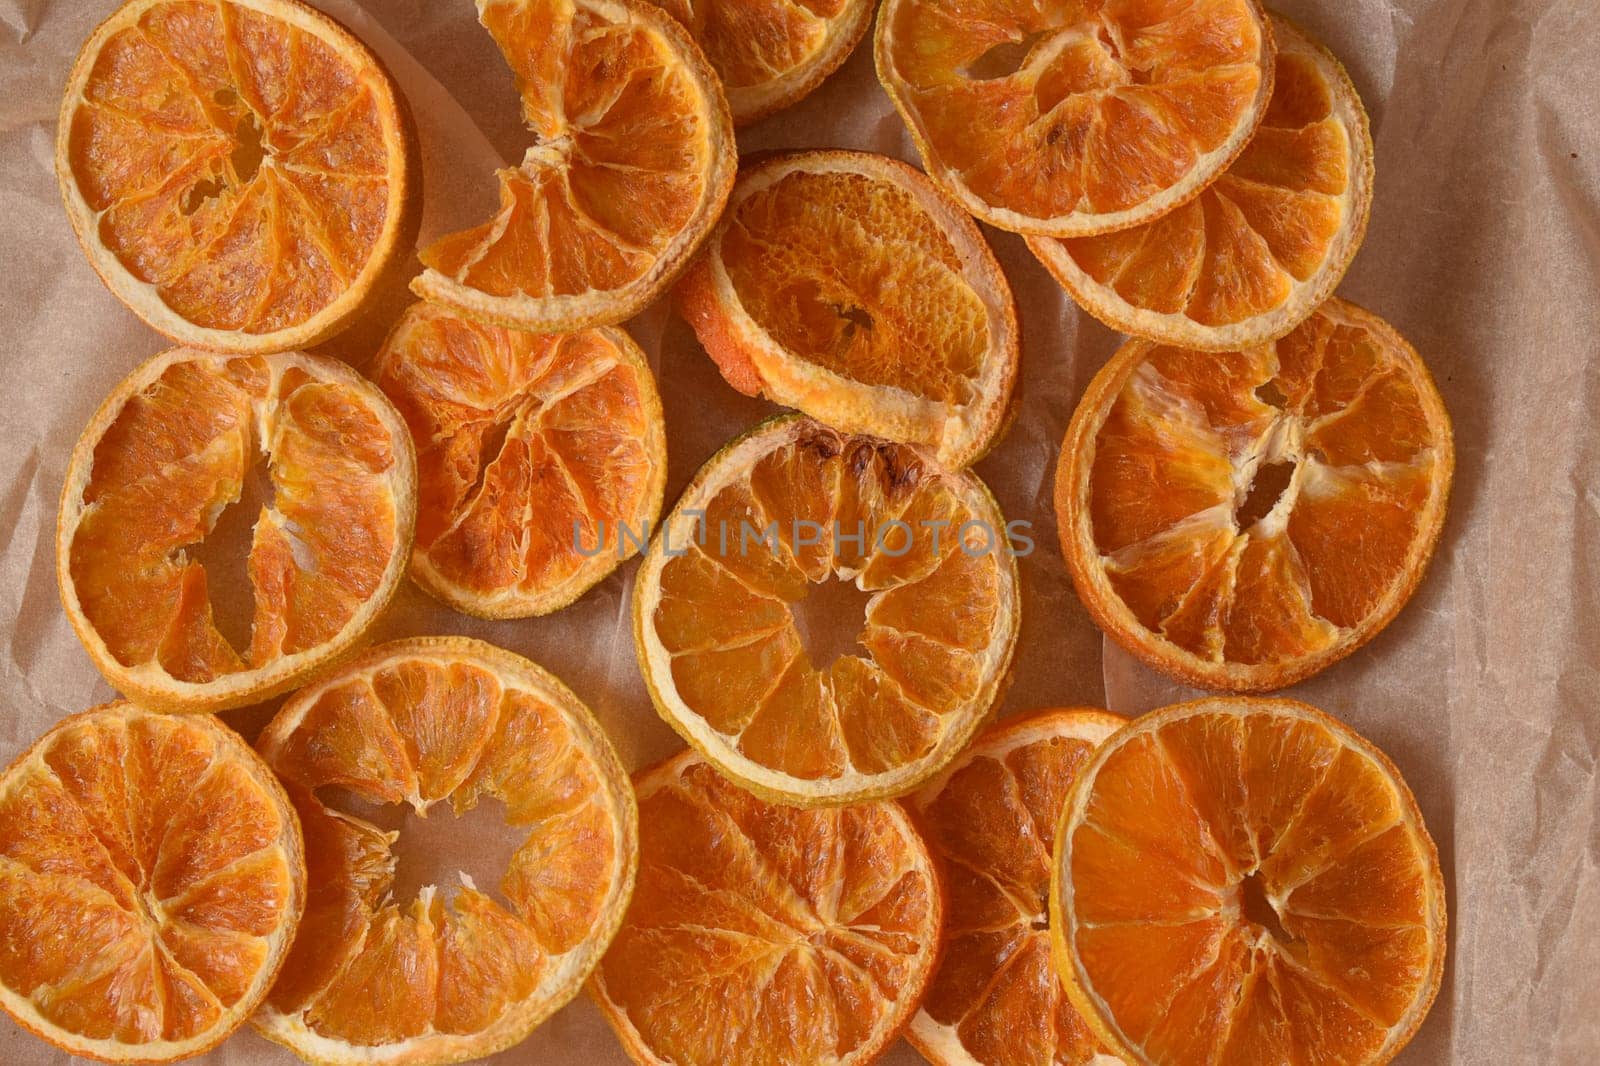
(848,286)
(541,459)
(771,54)
(1247,880)
(1261,247)
(454,974)
(990,821)
(787,507)
(236,171)
(151,879)
(767,934)
(632,161)
(1075,118)
(167,453)
(1241,520)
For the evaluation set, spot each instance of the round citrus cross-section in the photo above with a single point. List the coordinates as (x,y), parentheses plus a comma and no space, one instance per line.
(990,821)
(632,162)
(237,172)
(846,285)
(450,975)
(765,934)
(770,53)
(1263,246)
(152,876)
(172,448)
(1241,520)
(541,459)
(1246,880)
(1079,117)
(787,507)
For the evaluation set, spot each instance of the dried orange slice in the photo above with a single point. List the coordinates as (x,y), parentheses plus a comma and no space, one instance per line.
(167,453)
(991,821)
(1241,520)
(633,159)
(771,54)
(1076,117)
(767,934)
(237,172)
(848,286)
(542,458)
(1247,880)
(785,508)
(374,979)
(152,876)
(1261,248)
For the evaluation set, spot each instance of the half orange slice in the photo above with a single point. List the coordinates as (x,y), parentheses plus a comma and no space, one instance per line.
(152,876)
(237,172)
(632,161)
(1241,520)
(1264,245)
(166,455)
(767,934)
(779,512)
(1077,117)
(848,286)
(1247,880)
(461,973)
(542,458)
(990,820)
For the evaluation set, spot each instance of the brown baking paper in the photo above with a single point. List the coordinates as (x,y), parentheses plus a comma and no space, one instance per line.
(1484,250)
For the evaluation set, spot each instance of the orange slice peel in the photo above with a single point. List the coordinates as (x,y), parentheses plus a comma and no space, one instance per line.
(848,286)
